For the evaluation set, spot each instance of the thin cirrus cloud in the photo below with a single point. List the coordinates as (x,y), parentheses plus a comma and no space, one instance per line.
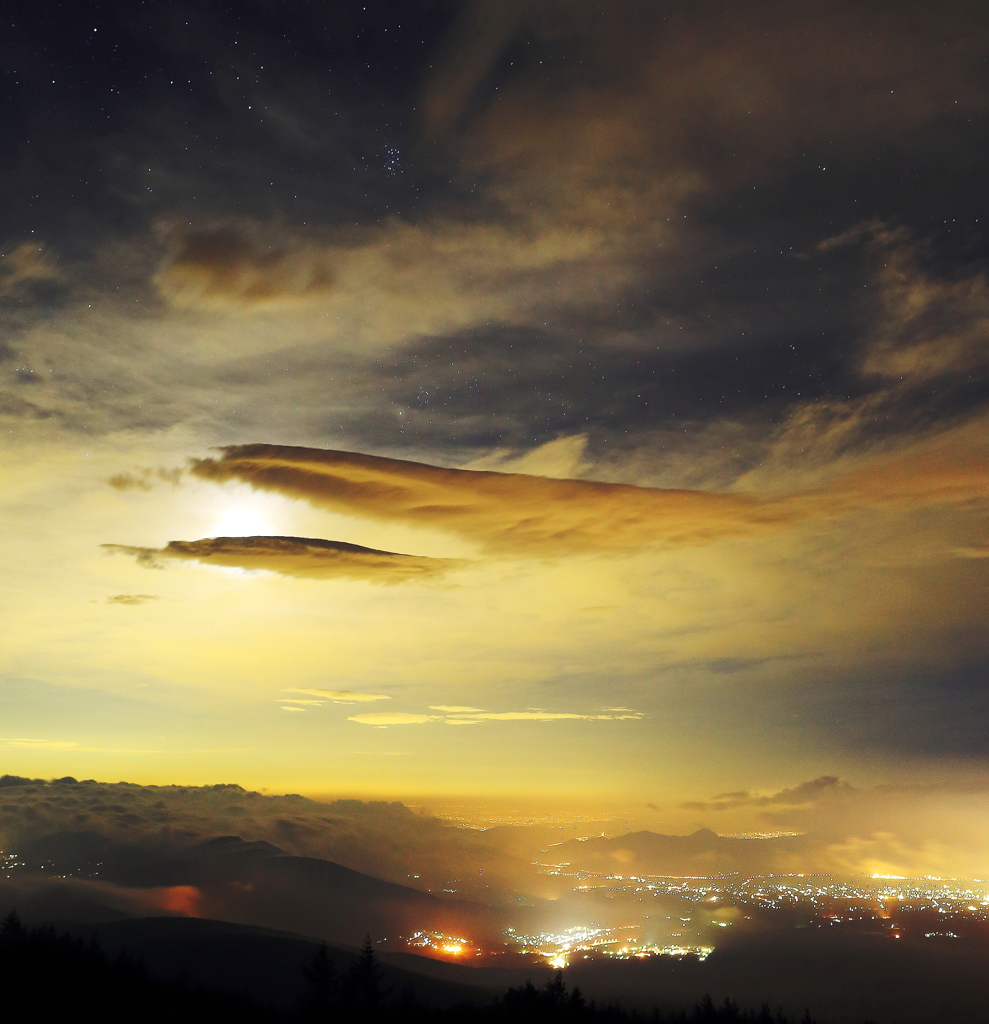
(461,716)
(30,743)
(301,557)
(381,718)
(336,696)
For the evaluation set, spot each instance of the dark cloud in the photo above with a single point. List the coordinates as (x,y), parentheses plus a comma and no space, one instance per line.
(225,265)
(548,221)
(144,479)
(302,557)
(909,715)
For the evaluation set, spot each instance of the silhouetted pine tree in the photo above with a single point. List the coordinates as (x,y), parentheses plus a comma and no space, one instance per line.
(49,977)
(706,1010)
(319,1000)
(362,991)
(11,930)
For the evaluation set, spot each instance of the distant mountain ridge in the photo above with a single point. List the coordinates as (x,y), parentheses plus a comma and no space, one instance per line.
(67,875)
(386,839)
(701,853)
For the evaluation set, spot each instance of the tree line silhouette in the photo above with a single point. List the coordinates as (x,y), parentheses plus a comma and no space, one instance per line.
(47,976)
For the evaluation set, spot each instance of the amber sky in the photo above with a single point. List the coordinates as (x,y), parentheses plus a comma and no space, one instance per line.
(615,377)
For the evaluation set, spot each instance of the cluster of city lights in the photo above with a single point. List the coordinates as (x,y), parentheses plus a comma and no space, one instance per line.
(13,861)
(9,861)
(436,943)
(827,901)
(823,892)
(558,949)
(760,835)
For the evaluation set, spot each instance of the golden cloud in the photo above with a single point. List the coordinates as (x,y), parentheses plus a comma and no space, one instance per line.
(503,512)
(303,557)
(515,513)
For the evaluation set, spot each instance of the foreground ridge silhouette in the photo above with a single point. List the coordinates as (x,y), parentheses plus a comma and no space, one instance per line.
(47,976)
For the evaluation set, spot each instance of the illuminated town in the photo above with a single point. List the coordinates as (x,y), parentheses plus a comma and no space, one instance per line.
(637,917)
(857,899)
(559,948)
(921,908)
(438,945)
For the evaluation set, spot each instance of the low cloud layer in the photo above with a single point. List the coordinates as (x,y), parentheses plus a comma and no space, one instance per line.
(799,797)
(376,837)
(904,829)
(302,557)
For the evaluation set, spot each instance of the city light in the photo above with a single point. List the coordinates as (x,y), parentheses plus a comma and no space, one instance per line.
(437,944)
(559,949)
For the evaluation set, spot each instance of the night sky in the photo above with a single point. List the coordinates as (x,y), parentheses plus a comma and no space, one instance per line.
(302,270)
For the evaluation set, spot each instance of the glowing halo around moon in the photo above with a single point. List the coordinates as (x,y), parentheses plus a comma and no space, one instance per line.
(241,521)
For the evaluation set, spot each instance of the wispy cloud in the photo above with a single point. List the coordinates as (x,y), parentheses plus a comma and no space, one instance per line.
(467,716)
(340,696)
(392,718)
(827,787)
(29,743)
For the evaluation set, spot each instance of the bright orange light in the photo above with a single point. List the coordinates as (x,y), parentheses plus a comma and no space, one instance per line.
(451,948)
